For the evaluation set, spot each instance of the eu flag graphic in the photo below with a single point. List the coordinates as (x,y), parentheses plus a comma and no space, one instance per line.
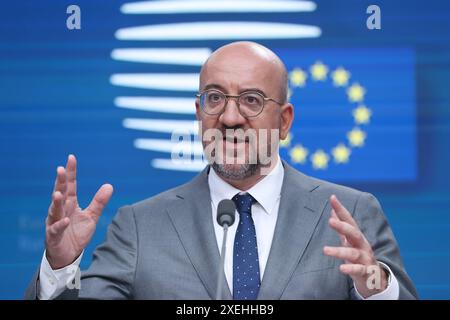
(354,113)
(371,109)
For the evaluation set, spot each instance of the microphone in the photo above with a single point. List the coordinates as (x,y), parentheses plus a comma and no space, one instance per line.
(226,211)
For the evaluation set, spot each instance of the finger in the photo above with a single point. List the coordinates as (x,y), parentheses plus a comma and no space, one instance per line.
(56,211)
(333,214)
(71,169)
(60,181)
(99,201)
(341,212)
(353,235)
(347,254)
(353,270)
(70,206)
(56,230)
(343,240)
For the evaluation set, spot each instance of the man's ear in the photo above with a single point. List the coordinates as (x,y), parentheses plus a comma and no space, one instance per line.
(197,109)
(287,117)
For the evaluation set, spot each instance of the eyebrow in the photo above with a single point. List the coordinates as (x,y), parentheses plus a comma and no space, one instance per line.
(219,87)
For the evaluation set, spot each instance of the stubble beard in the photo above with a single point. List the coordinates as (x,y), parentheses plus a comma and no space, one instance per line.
(235,171)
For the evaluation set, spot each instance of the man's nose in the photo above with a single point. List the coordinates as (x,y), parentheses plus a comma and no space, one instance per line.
(231,116)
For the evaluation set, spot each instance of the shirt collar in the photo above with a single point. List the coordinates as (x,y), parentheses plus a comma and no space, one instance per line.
(266,191)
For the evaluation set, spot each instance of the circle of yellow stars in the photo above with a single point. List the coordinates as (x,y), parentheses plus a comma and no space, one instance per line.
(356,137)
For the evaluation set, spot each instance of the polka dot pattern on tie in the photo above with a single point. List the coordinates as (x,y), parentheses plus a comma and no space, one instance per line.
(246,280)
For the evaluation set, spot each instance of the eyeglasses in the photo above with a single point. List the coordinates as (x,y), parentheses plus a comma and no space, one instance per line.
(249,103)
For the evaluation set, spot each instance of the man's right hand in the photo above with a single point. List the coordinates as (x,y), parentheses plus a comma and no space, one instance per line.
(69,228)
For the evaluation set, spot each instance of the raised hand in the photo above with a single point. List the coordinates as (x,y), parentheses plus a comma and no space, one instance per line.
(68,227)
(360,263)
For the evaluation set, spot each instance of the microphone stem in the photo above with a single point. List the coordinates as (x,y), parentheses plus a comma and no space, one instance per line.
(222,263)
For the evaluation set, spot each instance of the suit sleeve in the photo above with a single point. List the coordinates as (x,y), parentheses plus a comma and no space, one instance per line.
(375,227)
(111,274)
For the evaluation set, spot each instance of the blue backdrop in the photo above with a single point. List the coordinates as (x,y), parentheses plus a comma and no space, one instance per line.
(372,110)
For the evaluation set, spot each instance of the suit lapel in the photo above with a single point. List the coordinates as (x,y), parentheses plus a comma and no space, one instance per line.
(191,216)
(300,211)
(298,215)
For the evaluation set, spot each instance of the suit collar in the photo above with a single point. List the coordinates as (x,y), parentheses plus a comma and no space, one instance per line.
(191,216)
(299,213)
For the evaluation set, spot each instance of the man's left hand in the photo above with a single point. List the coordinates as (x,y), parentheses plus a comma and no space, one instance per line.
(360,264)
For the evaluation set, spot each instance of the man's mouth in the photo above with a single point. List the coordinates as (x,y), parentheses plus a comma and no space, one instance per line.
(234,139)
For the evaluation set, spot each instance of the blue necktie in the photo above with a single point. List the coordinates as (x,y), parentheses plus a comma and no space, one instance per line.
(246,277)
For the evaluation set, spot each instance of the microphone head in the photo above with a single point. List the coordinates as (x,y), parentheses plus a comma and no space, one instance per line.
(226,211)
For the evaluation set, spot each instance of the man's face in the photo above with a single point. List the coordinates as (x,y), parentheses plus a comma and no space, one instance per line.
(234,72)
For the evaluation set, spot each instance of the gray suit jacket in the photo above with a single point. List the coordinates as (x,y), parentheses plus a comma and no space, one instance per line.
(165,247)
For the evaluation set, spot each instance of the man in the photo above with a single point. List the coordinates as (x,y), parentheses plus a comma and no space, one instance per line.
(295,237)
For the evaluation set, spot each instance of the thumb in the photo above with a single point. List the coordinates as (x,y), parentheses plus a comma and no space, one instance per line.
(99,201)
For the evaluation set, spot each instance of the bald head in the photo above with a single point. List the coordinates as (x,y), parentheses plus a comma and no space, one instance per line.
(252,56)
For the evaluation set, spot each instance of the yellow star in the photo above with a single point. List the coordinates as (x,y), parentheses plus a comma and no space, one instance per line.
(319,160)
(287,141)
(362,115)
(319,71)
(298,154)
(356,137)
(298,77)
(340,77)
(341,153)
(356,93)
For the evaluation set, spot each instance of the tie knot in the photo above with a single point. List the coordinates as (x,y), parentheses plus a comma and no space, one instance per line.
(243,202)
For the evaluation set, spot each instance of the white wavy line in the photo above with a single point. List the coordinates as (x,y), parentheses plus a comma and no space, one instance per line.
(218,31)
(157,104)
(168,146)
(179,165)
(157,81)
(162,125)
(196,6)
(178,56)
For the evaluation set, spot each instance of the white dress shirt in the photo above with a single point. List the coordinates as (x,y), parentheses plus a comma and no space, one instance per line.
(264,213)
(267,193)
